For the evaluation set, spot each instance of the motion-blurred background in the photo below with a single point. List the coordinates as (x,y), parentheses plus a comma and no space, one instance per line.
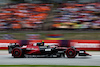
(56,14)
(63,20)
(46,19)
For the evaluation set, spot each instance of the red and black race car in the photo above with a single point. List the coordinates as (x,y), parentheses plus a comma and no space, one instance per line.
(40,50)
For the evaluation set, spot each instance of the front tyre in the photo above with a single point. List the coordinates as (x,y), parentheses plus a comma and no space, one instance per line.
(17,52)
(70,53)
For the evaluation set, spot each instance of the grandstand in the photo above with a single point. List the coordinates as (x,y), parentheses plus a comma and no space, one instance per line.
(48,15)
(77,16)
(22,17)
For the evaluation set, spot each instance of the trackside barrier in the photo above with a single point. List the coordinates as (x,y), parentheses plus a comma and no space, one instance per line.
(86,44)
(79,44)
(4,43)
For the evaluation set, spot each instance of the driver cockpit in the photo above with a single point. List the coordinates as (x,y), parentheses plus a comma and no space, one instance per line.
(40,44)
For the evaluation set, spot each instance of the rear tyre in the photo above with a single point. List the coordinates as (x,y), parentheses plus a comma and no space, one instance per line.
(17,53)
(70,53)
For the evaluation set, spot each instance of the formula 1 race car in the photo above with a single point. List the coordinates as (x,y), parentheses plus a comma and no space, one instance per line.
(40,50)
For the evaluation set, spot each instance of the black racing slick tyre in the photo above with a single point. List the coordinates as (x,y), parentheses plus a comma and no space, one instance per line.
(17,53)
(70,53)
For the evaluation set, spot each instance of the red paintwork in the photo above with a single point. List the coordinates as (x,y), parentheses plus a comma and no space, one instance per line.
(30,49)
(88,54)
(34,50)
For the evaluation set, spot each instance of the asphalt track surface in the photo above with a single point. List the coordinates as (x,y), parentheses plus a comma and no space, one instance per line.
(94,60)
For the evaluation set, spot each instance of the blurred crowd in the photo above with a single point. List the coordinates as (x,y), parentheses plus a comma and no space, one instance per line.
(66,16)
(23,15)
(77,16)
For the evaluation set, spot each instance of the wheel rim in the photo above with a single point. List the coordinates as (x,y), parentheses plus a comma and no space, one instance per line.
(70,52)
(17,52)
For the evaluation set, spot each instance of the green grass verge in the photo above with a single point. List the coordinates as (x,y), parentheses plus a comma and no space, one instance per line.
(43,66)
(66,36)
